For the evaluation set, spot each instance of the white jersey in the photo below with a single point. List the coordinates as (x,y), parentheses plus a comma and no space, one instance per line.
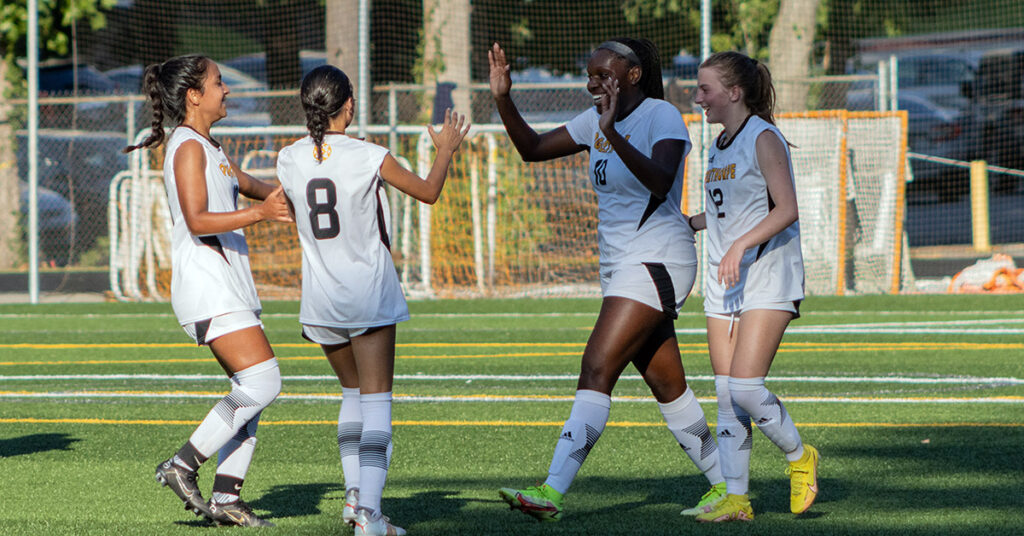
(348,276)
(210,274)
(633,225)
(737,199)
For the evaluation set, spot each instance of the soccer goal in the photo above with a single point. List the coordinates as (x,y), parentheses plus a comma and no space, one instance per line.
(506,228)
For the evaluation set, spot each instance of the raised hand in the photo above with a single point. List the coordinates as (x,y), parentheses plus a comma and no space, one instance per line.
(275,207)
(609,105)
(453,131)
(501,80)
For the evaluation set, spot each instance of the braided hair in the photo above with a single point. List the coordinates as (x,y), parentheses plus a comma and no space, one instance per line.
(646,52)
(165,86)
(751,76)
(324,92)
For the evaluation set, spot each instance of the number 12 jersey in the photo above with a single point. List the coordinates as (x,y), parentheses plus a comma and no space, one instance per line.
(341,211)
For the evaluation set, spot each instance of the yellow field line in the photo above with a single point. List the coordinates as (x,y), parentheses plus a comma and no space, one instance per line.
(441,423)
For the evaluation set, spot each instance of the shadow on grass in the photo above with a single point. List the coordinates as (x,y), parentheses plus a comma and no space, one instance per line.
(31,444)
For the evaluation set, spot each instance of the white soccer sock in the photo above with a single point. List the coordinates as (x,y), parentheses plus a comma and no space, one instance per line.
(734,440)
(233,461)
(252,390)
(586,421)
(374,448)
(768,413)
(350,428)
(685,419)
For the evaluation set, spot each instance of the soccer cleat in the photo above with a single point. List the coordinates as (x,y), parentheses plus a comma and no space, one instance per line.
(183,483)
(707,501)
(542,502)
(375,524)
(236,513)
(803,480)
(348,512)
(731,508)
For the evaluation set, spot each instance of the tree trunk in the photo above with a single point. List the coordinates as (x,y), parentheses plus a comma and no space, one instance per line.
(446,54)
(10,237)
(342,37)
(790,44)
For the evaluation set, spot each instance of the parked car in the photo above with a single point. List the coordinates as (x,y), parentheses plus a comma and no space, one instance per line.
(937,77)
(255,65)
(997,95)
(242,110)
(56,222)
(65,79)
(934,131)
(78,166)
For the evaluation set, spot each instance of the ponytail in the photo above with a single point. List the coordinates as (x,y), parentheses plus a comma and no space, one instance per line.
(752,76)
(324,92)
(165,86)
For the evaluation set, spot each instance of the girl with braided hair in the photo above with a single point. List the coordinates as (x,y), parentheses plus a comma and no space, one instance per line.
(351,295)
(637,143)
(212,290)
(755,275)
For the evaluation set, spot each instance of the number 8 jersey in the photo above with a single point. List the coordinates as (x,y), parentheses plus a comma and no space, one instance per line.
(341,211)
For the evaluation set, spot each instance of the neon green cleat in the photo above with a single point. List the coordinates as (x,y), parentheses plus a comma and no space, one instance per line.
(542,502)
(803,480)
(731,508)
(707,501)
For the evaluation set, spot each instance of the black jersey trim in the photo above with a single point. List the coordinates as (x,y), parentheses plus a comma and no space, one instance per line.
(652,205)
(760,249)
(381,224)
(202,328)
(722,146)
(213,242)
(666,290)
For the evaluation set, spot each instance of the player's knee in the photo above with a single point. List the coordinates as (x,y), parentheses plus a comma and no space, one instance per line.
(260,382)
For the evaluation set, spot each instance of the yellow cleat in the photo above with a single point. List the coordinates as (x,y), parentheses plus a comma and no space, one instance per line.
(708,501)
(803,480)
(731,508)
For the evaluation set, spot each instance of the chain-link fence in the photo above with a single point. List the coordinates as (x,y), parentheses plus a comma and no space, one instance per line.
(957,70)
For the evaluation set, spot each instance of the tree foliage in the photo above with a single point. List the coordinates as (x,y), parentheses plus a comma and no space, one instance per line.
(56,18)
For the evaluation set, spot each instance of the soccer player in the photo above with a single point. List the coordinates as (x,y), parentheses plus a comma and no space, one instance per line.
(637,143)
(212,290)
(351,295)
(755,275)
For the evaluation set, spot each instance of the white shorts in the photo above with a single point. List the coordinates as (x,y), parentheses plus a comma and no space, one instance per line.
(662,286)
(205,331)
(331,336)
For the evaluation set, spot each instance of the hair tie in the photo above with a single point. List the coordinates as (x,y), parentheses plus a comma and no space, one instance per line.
(621,49)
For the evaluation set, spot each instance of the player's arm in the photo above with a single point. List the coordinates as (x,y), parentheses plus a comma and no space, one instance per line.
(532,147)
(656,173)
(189,172)
(774,163)
(250,186)
(446,142)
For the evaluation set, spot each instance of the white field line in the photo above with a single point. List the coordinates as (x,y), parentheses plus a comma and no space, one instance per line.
(491,399)
(941,380)
(509,314)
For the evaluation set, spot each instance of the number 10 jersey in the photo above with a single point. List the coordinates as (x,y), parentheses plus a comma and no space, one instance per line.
(341,211)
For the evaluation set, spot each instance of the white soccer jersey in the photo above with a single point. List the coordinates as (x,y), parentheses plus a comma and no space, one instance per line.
(633,225)
(348,276)
(210,274)
(737,199)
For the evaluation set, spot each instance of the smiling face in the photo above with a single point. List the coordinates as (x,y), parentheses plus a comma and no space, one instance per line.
(605,66)
(714,96)
(211,101)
